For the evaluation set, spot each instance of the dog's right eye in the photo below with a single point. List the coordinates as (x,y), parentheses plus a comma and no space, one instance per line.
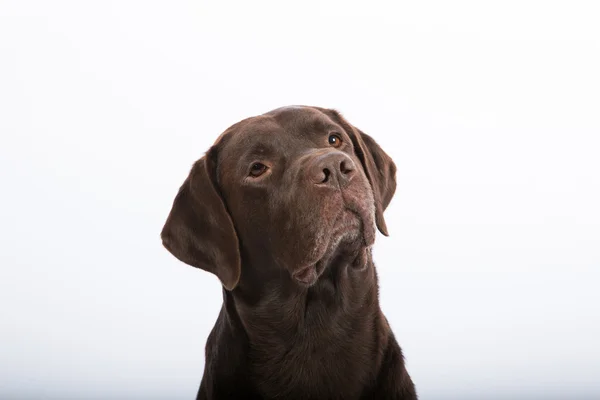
(335,140)
(257,169)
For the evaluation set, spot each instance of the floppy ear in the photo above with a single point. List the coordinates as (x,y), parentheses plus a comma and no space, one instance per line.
(381,172)
(378,166)
(199,230)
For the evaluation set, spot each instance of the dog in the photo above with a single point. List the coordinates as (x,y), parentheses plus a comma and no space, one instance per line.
(284,209)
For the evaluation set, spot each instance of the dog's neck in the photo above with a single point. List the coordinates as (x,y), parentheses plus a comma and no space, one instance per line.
(283,305)
(286,322)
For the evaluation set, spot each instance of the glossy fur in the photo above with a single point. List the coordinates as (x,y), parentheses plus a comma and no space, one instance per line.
(292,248)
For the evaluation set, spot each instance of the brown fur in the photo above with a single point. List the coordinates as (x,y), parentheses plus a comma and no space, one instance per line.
(292,248)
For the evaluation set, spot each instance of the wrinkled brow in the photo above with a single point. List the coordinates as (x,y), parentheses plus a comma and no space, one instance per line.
(320,125)
(258,150)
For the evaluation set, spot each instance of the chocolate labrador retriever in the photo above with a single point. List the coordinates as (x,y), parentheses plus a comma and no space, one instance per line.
(283,209)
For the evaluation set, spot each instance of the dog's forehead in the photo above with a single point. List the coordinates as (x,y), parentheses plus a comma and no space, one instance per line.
(299,117)
(289,108)
(276,125)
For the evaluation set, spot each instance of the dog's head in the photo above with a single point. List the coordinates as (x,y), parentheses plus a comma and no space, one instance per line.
(286,191)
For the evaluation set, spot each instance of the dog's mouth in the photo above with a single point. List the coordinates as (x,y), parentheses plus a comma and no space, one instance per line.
(346,240)
(307,275)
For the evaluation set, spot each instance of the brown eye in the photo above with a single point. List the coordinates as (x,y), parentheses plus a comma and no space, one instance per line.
(335,140)
(257,169)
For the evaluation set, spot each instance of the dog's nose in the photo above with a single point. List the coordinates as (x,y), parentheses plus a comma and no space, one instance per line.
(332,169)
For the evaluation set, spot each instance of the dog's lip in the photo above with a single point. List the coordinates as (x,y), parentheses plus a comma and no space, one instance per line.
(346,228)
(310,274)
(306,275)
(347,219)
(353,220)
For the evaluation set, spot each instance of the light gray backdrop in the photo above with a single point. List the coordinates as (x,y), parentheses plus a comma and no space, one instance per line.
(490,109)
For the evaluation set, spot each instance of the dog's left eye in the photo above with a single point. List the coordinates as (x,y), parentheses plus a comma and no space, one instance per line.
(335,140)
(257,169)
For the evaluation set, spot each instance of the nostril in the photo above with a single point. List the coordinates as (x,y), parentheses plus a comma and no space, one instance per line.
(326,174)
(346,167)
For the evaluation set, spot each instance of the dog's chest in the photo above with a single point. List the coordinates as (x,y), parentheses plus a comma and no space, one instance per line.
(310,367)
(325,354)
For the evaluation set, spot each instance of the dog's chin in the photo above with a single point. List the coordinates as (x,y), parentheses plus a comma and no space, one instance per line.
(347,241)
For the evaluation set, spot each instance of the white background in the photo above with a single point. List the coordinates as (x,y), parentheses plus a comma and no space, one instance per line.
(491,110)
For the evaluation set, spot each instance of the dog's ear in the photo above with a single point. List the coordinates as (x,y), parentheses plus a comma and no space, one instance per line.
(378,166)
(199,230)
(381,172)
